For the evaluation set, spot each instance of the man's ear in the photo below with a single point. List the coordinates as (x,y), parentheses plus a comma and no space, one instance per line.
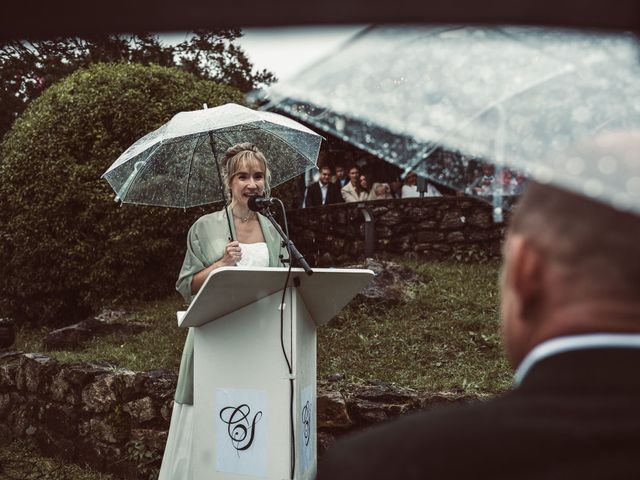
(524,273)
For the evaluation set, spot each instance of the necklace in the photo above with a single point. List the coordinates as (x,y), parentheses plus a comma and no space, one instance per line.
(244,219)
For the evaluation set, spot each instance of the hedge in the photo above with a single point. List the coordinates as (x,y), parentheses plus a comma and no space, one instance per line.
(66,248)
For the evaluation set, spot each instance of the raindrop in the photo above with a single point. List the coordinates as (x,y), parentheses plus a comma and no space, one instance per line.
(575,166)
(622,201)
(581,114)
(542,174)
(560,142)
(593,188)
(633,186)
(607,165)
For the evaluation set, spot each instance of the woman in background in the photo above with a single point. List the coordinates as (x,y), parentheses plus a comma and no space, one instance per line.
(380,191)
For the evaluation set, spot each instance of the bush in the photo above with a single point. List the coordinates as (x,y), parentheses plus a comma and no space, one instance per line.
(65,247)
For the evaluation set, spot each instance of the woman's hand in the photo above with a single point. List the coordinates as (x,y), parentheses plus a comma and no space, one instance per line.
(232,255)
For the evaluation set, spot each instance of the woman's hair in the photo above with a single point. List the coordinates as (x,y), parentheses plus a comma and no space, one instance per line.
(238,157)
(367,178)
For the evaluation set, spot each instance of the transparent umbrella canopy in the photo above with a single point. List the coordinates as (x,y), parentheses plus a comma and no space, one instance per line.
(177,164)
(521,97)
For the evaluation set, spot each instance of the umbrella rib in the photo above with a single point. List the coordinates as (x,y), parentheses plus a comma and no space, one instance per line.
(138,173)
(430,147)
(285,141)
(193,154)
(276,135)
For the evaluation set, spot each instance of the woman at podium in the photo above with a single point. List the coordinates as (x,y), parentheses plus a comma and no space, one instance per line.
(252,242)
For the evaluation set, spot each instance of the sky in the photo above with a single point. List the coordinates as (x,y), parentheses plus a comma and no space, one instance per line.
(287,50)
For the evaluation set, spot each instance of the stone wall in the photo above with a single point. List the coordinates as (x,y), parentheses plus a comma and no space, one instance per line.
(117,420)
(113,419)
(430,228)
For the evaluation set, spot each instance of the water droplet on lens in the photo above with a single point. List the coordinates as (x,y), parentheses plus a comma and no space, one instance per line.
(581,114)
(575,165)
(633,186)
(607,165)
(593,188)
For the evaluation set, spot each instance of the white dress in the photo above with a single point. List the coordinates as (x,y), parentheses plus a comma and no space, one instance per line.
(177,462)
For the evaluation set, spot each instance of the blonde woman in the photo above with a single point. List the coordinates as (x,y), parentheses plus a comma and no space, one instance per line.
(256,243)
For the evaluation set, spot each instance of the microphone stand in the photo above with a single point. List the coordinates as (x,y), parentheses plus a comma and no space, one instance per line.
(297,256)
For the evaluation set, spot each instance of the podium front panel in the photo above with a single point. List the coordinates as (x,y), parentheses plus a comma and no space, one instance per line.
(242,393)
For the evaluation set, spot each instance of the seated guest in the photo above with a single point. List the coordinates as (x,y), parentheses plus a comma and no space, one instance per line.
(518,183)
(341,178)
(380,191)
(323,192)
(483,185)
(352,191)
(410,188)
(505,182)
(396,187)
(365,183)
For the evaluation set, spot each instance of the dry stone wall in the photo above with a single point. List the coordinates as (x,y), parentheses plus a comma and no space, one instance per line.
(113,419)
(430,228)
(117,420)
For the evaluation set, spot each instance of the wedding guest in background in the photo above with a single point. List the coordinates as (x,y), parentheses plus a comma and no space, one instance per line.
(410,188)
(341,178)
(396,187)
(323,192)
(380,191)
(483,185)
(352,192)
(365,183)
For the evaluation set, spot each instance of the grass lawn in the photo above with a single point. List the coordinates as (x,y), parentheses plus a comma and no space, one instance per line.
(20,460)
(446,339)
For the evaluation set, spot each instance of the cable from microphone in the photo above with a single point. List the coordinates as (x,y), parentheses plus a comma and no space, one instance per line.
(257,204)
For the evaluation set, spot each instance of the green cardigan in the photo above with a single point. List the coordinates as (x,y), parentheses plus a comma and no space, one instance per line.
(206,241)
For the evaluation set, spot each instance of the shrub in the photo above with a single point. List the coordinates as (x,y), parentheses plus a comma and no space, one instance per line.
(65,247)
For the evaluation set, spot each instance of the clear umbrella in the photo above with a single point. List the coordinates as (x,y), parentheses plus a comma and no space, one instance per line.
(515,96)
(177,165)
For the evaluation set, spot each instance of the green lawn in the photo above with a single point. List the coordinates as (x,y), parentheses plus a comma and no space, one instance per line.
(446,339)
(160,346)
(19,460)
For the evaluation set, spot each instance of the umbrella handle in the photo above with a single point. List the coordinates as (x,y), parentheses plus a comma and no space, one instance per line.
(212,142)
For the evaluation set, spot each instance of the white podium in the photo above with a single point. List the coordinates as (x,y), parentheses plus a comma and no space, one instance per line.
(245,399)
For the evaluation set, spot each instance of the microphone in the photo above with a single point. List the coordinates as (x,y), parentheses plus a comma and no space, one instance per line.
(258,204)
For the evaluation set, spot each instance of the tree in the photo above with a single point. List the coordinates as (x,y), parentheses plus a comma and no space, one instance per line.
(27,68)
(65,247)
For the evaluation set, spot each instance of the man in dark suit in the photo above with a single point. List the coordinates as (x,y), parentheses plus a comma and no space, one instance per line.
(570,309)
(323,192)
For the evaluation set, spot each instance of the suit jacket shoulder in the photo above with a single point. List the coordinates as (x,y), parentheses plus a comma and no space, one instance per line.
(314,195)
(575,416)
